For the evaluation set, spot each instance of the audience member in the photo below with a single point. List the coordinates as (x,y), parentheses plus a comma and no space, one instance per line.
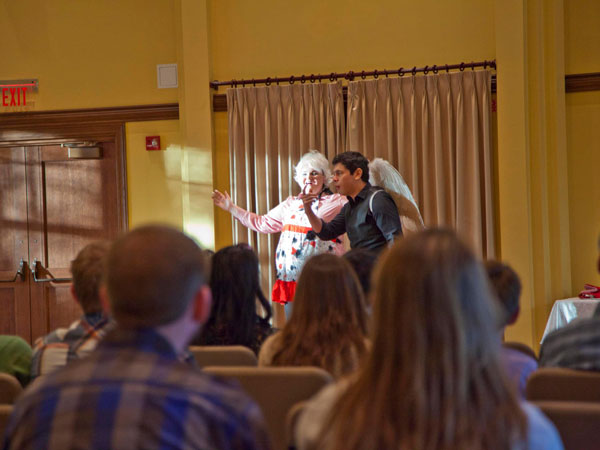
(15,358)
(68,344)
(507,287)
(433,379)
(362,261)
(235,286)
(328,327)
(133,391)
(576,345)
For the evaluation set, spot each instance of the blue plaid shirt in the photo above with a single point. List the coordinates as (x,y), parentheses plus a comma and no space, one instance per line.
(133,392)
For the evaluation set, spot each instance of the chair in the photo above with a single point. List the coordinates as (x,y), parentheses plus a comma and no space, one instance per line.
(5,412)
(523,348)
(560,384)
(577,423)
(10,388)
(276,390)
(223,355)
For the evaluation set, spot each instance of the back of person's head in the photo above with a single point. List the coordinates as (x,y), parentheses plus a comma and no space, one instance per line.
(353,161)
(433,378)
(328,325)
(507,286)
(152,274)
(87,269)
(235,285)
(362,261)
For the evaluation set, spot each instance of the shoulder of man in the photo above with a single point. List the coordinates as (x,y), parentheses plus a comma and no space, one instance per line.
(378,196)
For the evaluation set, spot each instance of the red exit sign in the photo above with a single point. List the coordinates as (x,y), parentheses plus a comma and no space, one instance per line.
(14,92)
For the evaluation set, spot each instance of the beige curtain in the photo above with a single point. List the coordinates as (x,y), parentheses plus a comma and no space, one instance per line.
(436,130)
(270,127)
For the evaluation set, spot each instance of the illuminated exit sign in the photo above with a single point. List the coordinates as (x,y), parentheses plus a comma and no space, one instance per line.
(15,92)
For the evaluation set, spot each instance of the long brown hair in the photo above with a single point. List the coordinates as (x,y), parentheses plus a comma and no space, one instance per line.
(433,379)
(328,325)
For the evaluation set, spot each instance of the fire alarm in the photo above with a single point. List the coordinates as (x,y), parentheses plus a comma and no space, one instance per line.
(152,142)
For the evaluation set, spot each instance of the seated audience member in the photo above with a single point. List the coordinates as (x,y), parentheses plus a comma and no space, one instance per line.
(328,327)
(507,287)
(362,261)
(133,391)
(68,344)
(433,378)
(576,345)
(235,286)
(15,358)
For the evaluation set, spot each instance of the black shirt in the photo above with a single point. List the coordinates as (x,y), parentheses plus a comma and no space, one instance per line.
(365,228)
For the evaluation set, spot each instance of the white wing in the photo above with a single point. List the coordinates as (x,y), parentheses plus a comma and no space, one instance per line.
(383,174)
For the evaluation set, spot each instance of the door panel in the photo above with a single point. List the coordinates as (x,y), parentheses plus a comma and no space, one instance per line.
(51,207)
(77,204)
(14,295)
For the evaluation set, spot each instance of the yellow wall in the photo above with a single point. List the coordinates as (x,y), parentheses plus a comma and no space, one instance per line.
(154,182)
(89,53)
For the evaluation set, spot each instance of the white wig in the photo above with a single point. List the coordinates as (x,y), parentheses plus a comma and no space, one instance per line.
(313,160)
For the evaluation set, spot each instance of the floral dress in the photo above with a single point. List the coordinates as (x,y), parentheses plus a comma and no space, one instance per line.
(298,241)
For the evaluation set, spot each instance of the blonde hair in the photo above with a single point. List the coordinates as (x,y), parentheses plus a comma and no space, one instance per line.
(433,379)
(313,160)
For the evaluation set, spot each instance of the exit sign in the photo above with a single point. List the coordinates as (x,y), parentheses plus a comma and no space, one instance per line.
(15,92)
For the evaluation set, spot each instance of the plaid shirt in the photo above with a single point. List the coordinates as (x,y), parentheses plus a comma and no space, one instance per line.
(132,392)
(68,344)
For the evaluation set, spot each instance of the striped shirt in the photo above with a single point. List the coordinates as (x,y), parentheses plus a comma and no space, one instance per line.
(68,344)
(133,392)
(574,346)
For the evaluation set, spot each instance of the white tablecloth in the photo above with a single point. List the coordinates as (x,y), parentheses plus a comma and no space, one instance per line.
(564,311)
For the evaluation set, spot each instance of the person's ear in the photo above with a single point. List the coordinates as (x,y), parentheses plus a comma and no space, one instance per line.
(104,299)
(358,174)
(202,304)
(73,294)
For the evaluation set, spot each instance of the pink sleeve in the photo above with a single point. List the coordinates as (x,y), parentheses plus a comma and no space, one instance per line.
(331,205)
(271,222)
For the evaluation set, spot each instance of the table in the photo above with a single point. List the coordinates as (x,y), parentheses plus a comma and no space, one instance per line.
(564,311)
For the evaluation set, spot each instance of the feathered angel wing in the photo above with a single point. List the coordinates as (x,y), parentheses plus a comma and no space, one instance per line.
(383,174)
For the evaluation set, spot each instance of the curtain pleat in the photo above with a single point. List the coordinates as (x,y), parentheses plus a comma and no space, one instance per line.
(436,130)
(270,128)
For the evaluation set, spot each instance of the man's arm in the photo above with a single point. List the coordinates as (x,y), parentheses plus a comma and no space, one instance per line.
(386,216)
(325,230)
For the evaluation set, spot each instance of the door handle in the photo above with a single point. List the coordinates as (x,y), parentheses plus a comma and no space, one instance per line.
(45,280)
(20,274)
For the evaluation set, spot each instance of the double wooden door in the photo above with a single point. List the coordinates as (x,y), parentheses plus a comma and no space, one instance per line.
(51,205)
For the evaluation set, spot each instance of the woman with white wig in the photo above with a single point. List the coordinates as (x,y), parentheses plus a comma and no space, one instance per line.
(297,242)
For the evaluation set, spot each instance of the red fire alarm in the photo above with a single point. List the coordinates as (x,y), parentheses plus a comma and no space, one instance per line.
(152,142)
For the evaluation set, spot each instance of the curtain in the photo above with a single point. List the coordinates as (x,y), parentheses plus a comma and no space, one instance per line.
(270,128)
(436,130)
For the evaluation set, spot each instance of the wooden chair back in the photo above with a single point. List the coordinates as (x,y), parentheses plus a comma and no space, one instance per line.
(559,384)
(223,355)
(276,390)
(10,388)
(577,423)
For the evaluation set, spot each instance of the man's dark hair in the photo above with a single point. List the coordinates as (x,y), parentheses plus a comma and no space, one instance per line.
(353,161)
(152,274)
(87,269)
(362,261)
(507,286)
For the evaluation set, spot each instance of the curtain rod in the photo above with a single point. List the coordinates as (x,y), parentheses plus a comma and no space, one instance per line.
(350,76)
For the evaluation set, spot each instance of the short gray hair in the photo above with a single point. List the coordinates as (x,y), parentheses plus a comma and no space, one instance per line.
(313,160)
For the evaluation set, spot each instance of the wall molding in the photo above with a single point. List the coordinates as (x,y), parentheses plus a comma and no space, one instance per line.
(57,126)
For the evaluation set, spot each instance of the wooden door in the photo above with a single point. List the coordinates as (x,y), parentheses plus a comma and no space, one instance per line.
(69,202)
(14,246)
